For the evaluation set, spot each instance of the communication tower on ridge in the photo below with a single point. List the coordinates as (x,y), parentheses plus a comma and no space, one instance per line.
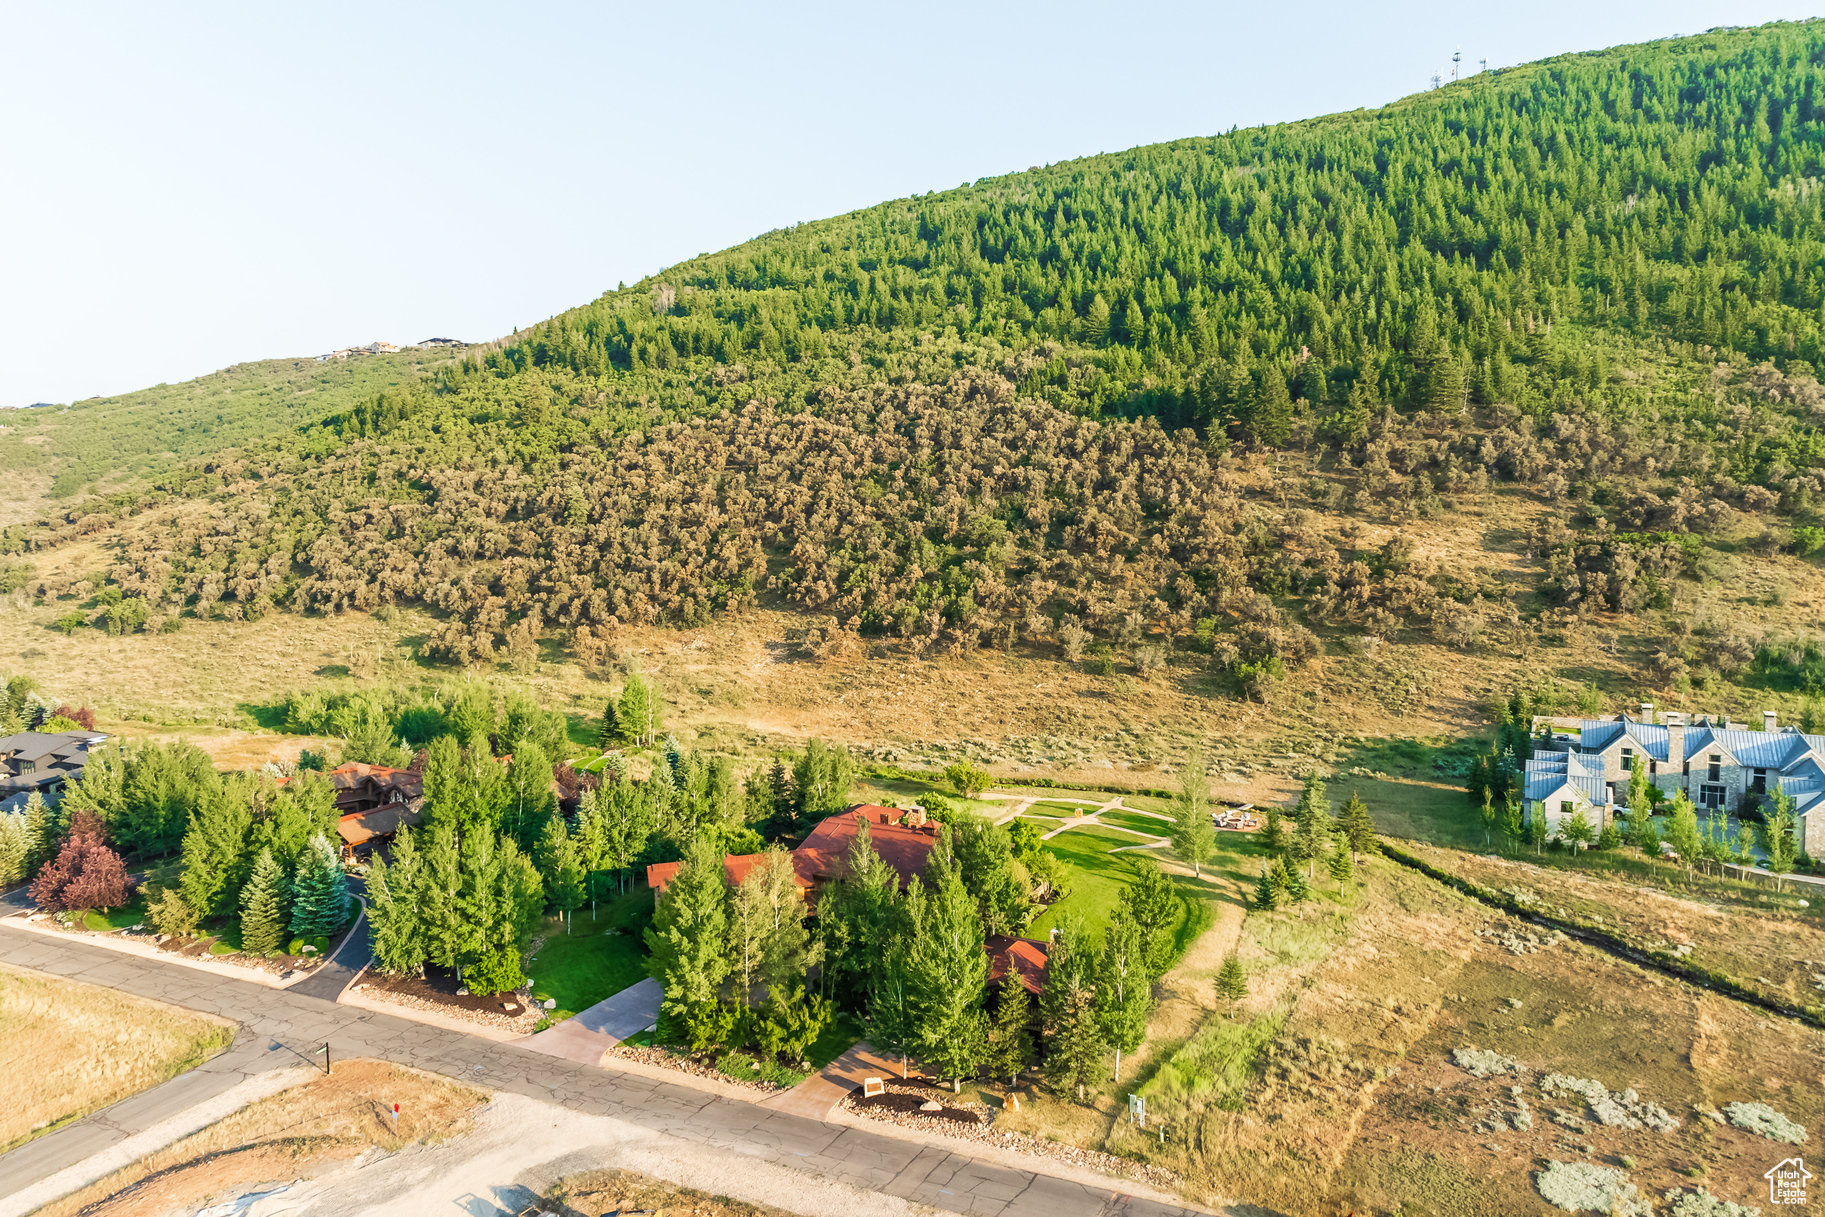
(1437,80)
(1457,55)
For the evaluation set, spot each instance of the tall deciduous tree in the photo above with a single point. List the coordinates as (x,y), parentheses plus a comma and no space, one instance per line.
(1124,986)
(85,874)
(1193,835)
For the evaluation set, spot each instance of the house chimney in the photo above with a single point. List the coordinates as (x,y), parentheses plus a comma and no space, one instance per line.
(1676,746)
(1769,719)
(1647,711)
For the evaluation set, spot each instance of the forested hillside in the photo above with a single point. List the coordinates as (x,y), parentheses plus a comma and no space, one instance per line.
(1115,403)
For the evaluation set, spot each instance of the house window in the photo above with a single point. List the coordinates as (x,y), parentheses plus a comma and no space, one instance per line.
(1567,808)
(1628,758)
(1759,783)
(1711,796)
(1653,768)
(1716,773)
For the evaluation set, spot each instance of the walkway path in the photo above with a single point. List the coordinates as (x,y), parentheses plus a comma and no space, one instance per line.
(818,1095)
(585,1036)
(281,1027)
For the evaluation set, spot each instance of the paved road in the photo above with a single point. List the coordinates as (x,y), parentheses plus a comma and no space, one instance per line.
(282,1027)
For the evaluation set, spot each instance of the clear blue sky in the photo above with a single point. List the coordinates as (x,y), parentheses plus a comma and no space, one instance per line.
(192,186)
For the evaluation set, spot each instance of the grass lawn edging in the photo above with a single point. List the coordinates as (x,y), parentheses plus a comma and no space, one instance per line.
(1664,962)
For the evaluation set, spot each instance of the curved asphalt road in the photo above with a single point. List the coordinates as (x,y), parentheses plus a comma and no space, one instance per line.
(281,1027)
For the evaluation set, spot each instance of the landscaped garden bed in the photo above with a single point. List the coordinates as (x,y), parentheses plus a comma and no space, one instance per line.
(127,924)
(439,991)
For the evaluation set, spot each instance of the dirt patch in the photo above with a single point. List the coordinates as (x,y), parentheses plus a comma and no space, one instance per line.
(287,1136)
(606,1192)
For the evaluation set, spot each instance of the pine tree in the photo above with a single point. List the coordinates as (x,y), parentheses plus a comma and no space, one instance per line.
(1074,1041)
(1010,1041)
(1232,982)
(15,849)
(531,804)
(1340,865)
(1356,824)
(439,892)
(213,851)
(893,1025)
(1310,818)
(948,979)
(1124,987)
(320,897)
(1267,892)
(40,836)
(609,734)
(1292,878)
(1273,836)
(686,943)
(262,917)
(393,912)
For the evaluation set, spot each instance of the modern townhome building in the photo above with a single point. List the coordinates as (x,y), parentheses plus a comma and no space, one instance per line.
(42,761)
(1719,764)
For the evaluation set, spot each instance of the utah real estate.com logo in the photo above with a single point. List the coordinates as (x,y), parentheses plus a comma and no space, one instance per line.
(1787,1182)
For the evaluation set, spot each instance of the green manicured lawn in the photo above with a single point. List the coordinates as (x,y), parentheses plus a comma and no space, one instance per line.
(1042,823)
(1139,823)
(1069,810)
(115,919)
(1097,880)
(599,956)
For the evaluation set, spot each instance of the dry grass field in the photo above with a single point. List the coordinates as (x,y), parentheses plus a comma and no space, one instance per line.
(67,1049)
(289,1135)
(1330,1089)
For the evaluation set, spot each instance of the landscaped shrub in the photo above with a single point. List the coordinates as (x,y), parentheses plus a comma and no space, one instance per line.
(495,972)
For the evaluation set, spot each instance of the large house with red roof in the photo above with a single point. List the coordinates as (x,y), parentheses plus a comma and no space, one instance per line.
(904,840)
